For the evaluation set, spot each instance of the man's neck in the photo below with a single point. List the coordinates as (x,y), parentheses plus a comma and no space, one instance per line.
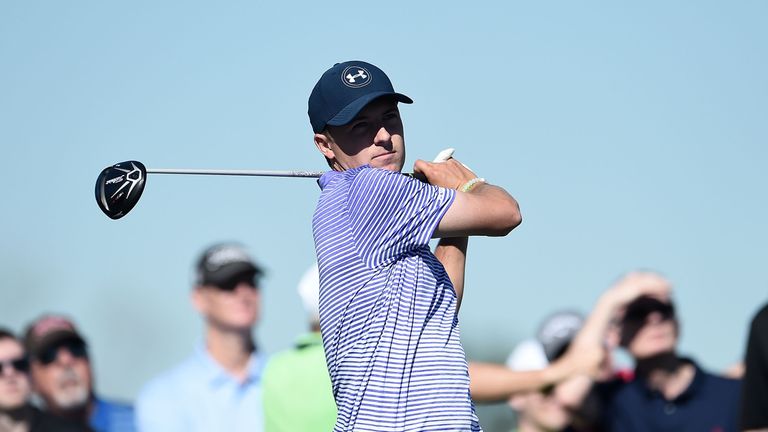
(526,425)
(231,350)
(79,415)
(666,373)
(10,424)
(15,419)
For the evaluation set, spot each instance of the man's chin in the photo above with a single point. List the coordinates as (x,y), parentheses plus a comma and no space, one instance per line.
(74,400)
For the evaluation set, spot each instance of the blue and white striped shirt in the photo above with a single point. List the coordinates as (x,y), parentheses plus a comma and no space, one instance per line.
(387,306)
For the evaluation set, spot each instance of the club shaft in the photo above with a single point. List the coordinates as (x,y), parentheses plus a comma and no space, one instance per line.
(260,173)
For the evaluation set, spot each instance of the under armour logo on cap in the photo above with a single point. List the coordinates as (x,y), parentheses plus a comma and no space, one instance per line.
(356,77)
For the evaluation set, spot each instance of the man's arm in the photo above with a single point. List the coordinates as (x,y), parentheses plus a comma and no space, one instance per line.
(493,383)
(452,253)
(484,210)
(490,382)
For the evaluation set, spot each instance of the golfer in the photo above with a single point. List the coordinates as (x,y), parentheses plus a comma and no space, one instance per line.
(388,305)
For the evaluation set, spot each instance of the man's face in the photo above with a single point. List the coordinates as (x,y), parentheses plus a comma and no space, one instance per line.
(62,375)
(14,382)
(649,329)
(542,410)
(234,307)
(374,137)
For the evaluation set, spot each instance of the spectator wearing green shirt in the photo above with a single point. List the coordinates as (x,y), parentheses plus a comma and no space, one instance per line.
(296,388)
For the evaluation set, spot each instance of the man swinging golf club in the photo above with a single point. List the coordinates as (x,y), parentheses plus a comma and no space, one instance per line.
(388,305)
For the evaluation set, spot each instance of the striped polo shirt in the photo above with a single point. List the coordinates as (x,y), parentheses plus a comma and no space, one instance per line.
(387,306)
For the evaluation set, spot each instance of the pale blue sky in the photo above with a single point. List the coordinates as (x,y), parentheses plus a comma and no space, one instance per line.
(633,135)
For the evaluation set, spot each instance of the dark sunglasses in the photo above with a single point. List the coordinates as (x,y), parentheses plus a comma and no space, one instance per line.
(640,315)
(548,390)
(231,284)
(19,364)
(76,348)
(638,311)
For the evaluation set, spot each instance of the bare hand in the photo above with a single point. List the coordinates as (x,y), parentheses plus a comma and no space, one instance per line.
(639,284)
(450,174)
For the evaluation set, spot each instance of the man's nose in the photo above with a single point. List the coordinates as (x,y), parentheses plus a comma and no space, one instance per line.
(654,318)
(383,137)
(64,356)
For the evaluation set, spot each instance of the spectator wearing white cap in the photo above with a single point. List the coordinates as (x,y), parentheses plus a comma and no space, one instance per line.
(553,408)
(296,386)
(218,388)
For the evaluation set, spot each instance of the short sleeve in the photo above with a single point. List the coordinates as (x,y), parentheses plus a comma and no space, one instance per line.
(392,214)
(754,396)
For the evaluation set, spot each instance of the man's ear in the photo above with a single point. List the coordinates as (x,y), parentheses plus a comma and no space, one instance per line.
(198,300)
(323,144)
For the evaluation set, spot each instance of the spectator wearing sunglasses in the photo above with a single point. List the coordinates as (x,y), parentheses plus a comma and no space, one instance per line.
(669,392)
(16,412)
(218,387)
(62,377)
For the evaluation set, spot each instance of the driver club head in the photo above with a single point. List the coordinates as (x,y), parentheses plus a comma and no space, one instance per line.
(119,187)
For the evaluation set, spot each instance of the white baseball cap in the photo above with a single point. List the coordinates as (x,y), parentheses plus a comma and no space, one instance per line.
(309,291)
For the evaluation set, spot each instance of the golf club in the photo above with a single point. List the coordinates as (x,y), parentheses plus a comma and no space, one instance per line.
(119,187)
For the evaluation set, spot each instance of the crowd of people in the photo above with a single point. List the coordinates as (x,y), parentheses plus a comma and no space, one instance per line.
(228,384)
(382,351)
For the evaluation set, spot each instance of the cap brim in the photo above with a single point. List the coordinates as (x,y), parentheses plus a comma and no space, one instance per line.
(232,271)
(348,113)
(51,339)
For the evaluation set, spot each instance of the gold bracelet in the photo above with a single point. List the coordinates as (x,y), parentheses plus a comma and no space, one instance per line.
(468,186)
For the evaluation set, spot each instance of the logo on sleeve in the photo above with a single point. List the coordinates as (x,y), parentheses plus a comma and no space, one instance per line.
(356,77)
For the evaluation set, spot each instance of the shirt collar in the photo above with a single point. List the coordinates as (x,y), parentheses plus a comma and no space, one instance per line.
(215,375)
(98,418)
(693,387)
(309,339)
(329,176)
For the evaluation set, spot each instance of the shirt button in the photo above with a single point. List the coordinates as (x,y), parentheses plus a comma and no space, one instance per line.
(670,408)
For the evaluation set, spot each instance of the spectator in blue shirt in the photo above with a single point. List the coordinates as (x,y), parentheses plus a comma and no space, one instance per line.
(218,387)
(62,377)
(669,392)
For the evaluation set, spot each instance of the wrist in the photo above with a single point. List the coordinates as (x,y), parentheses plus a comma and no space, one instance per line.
(471,184)
(554,373)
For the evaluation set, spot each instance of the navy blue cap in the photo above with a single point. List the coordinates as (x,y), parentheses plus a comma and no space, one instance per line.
(344,90)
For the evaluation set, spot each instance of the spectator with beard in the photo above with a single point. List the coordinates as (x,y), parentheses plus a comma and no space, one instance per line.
(62,377)
(669,392)
(16,413)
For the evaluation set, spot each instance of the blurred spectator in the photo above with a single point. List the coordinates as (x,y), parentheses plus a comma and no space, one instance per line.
(16,412)
(218,387)
(547,409)
(556,372)
(62,377)
(297,389)
(754,397)
(669,392)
